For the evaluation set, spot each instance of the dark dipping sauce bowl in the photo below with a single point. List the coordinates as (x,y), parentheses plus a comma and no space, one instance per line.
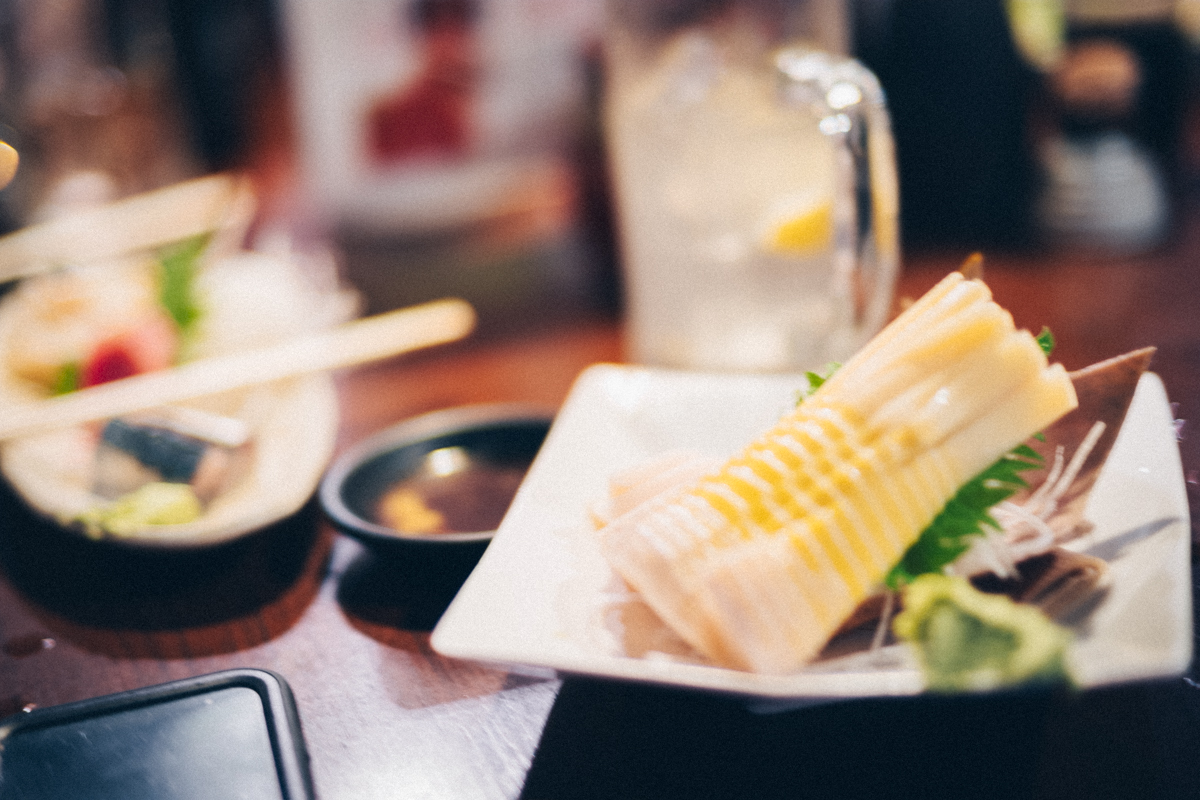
(440,481)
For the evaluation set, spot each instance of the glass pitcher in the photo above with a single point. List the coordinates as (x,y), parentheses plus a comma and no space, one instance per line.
(754,181)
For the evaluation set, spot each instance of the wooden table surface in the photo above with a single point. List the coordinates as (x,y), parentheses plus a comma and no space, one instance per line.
(385,717)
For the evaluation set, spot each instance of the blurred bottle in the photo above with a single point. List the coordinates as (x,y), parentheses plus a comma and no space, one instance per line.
(1025,122)
(226,66)
(959,92)
(89,98)
(1109,125)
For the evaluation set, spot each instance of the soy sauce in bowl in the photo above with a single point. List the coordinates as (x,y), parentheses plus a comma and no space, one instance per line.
(438,480)
(452,492)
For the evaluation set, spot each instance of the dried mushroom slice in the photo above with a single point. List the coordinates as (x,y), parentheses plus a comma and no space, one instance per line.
(1060,582)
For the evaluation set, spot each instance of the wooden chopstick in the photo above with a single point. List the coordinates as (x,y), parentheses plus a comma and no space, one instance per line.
(138,222)
(372,338)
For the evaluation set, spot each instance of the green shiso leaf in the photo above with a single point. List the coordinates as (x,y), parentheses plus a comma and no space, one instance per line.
(178,267)
(815,381)
(964,516)
(1045,340)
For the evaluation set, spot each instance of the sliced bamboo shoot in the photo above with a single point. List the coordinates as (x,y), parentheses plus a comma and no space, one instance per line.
(758,563)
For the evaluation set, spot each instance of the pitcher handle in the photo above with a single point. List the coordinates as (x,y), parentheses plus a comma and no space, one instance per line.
(849,103)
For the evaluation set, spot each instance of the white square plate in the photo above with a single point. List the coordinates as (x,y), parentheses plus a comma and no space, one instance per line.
(541,599)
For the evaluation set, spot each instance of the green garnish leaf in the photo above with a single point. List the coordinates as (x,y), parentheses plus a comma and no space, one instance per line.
(816,380)
(964,516)
(1045,340)
(178,267)
(68,379)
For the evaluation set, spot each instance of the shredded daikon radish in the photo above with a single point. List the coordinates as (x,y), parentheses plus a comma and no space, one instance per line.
(1025,529)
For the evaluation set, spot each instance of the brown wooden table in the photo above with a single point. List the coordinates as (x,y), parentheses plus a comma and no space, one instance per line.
(385,717)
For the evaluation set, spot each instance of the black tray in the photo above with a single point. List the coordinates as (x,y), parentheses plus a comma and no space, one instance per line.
(232,734)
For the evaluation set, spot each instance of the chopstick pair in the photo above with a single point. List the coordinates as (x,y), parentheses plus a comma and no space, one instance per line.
(356,342)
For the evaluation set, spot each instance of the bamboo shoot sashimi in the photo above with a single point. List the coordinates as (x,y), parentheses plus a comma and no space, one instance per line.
(950,398)
(759,562)
(951,297)
(1032,408)
(911,317)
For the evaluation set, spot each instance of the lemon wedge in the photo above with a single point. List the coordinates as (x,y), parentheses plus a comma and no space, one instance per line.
(803,233)
(8,163)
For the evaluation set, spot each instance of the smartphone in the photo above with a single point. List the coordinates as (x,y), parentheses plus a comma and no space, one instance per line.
(232,734)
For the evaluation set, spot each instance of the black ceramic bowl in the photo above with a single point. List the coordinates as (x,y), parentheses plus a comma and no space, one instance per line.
(441,480)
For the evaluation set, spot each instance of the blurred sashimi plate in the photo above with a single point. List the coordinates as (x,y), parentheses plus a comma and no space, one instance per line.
(294,428)
(544,600)
(142,286)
